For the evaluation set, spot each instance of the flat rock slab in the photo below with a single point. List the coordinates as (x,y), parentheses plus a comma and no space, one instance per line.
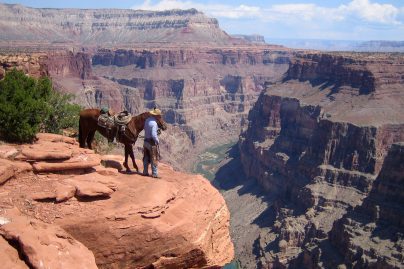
(81,161)
(93,185)
(45,245)
(37,154)
(18,166)
(55,138)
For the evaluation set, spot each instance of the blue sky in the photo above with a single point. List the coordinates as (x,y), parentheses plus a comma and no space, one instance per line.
(315,19)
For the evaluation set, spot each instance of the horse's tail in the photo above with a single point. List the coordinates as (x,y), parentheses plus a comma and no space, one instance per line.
(81,138)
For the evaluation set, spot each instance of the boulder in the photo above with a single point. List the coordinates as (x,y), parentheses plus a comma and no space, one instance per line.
(64,192)
(45,245)
(6,171)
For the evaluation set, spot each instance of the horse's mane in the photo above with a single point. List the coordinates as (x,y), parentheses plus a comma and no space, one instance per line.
(141,115)
(132,125)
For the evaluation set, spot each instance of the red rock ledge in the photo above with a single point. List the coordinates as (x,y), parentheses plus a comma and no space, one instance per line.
(126,221)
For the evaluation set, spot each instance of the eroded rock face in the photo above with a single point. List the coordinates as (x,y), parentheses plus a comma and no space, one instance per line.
(318,154)
(33,64)
(371,236)
(205,93)
(125,220)
(69,64)
(107,26)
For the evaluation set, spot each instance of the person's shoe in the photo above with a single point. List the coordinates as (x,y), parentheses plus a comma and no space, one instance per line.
(155,176)
(145,174)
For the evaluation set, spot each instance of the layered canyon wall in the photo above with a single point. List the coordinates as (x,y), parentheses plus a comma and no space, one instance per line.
(107,27)
(370,236)
(205,94)
(317,142)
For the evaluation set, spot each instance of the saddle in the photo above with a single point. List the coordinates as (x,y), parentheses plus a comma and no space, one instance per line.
(114,124)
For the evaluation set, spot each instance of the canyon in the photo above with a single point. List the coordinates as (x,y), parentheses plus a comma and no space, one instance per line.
(193,87)
(314,181)
(321,143)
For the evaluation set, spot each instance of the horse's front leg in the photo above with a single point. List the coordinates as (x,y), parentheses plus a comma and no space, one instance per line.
(132,155)
(125,164)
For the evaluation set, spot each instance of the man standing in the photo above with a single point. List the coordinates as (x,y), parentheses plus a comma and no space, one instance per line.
(151,143)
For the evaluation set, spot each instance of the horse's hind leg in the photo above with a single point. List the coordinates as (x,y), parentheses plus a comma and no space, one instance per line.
(132,156)
(90,138)
(125,164)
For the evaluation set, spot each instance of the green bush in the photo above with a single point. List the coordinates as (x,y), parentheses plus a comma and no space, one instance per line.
(29,105)
(62,113)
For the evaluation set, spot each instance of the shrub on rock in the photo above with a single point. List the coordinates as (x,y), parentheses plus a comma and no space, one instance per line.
(29,105)
(22,106)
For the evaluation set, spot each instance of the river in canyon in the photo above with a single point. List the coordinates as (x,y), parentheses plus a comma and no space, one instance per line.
(245,199)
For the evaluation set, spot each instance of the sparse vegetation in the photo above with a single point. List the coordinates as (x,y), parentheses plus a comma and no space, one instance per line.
(62,114)
(29,105)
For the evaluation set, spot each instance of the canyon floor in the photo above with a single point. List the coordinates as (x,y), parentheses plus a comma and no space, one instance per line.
(246,200)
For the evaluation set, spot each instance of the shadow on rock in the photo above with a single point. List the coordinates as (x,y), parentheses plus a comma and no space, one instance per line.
(231,174)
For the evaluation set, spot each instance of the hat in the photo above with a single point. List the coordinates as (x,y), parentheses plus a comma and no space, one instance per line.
(155,112)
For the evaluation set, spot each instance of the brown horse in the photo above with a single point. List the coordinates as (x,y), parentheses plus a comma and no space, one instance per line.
(88,125)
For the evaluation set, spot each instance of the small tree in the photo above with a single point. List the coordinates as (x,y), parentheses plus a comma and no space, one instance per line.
(22,105)
(29,105)
(62,113)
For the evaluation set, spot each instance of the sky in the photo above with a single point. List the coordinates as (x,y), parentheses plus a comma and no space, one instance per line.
(275,19)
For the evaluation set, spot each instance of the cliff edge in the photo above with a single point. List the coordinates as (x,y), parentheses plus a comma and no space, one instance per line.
(121,220)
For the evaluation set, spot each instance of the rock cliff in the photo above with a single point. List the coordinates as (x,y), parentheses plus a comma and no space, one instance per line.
(316,142)
(24,25)
(33,64)
(205,93)
(59,199)
(371,236)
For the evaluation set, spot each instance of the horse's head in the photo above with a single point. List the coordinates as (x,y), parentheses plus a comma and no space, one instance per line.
(161,123)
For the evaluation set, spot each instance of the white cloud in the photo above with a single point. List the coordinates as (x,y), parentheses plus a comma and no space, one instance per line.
(215,10)
(372,12)
(364,10)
